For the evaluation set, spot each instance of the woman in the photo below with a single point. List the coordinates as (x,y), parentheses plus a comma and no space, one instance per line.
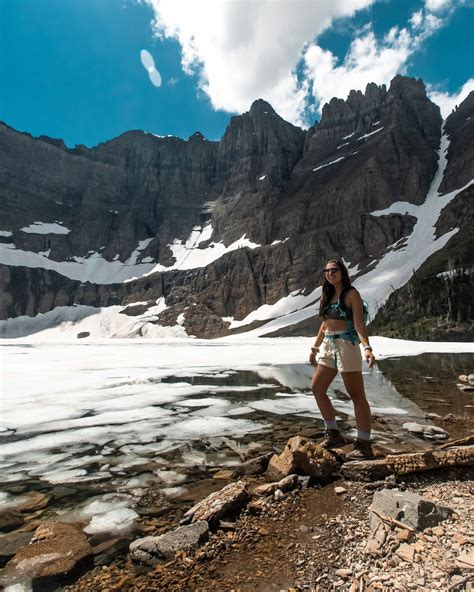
(337,348)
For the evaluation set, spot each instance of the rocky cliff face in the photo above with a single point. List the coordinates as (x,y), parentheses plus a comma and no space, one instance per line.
(76,223)
(437,302)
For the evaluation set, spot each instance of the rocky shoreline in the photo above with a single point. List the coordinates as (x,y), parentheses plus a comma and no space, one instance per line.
(309,531)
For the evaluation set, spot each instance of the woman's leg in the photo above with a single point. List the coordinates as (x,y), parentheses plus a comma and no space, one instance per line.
(355,387)
(322,378)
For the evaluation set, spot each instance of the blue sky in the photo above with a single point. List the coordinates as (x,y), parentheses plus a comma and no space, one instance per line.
(72,68)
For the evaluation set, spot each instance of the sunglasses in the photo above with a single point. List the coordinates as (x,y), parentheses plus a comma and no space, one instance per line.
(331,270)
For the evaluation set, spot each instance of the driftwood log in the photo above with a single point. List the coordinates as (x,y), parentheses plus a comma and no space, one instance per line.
(402,464)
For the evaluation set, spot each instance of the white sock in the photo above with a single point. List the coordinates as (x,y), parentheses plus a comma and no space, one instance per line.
(363,435)
(330,424)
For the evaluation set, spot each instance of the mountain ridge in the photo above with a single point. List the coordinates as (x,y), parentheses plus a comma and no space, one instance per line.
(268,191)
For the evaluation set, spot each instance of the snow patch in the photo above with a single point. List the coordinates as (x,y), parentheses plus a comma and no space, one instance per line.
(342,145)
(329,163)
(101,323)
(370,134)
(5,233)
(348,136)
(45,228)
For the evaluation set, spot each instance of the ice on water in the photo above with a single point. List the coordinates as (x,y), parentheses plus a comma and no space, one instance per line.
(90,412)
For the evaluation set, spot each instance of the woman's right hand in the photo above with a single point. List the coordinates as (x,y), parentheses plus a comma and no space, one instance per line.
(312,358)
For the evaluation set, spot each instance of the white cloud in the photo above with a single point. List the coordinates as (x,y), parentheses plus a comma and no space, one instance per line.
(416,19)
(368,60)
(244,50)
(448,102)
(437,5)
(248,50)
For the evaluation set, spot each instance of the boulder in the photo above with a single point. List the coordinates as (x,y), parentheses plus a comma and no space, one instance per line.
(314,460)
(55,549)
(304,457)
(152,549)
(408,508)
(218,504)
(280,466)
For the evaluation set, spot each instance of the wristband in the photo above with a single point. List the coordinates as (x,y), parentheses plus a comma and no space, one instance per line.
(315,349)
(368,347)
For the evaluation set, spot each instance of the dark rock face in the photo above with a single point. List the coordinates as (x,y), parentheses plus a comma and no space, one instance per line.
(460,129)
(436,303)
(302,196)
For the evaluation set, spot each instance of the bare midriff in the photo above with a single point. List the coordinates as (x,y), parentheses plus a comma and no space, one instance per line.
(334,325)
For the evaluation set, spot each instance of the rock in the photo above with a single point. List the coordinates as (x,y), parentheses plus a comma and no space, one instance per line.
(466,388)
(463,378)
(281,466)
(279,495)
(460,538)
(10,520)
(218,504)
(314,460)
(406,552)
(302,456)
(470,378)
(343,572)
(372,547)
(428,432)
(465,559)
(403,535)
(10,543)
(55,549)
(409,508)
(83,334)
(256,506)
(150,550)
(226,474)
(286,484)
(255,466)
(340,490)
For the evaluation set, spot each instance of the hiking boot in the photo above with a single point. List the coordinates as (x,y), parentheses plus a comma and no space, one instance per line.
(362,451)
(332,439)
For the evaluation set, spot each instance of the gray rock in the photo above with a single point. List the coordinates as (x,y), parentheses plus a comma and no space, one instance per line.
(10,543)
(83,334)
(255,466)
(428,432)
(406,507)
(150,550)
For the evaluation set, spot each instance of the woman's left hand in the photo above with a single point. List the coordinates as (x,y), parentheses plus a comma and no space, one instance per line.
(369,357)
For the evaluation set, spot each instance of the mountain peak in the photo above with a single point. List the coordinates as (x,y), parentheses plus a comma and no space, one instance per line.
(261,107)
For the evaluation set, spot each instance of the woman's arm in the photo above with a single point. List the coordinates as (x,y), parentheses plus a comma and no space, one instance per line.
(355,302)
(317,343)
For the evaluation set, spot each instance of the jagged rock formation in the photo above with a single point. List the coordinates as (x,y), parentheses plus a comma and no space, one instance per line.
(437,302)
(300,197)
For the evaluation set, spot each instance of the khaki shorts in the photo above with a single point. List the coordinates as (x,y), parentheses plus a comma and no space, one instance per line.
(340,354)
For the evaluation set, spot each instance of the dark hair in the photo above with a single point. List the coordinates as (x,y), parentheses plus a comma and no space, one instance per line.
(328,289)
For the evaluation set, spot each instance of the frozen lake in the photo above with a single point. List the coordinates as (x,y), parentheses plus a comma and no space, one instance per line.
(120,416)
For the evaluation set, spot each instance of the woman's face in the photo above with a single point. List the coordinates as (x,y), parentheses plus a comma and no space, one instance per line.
(332,273)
